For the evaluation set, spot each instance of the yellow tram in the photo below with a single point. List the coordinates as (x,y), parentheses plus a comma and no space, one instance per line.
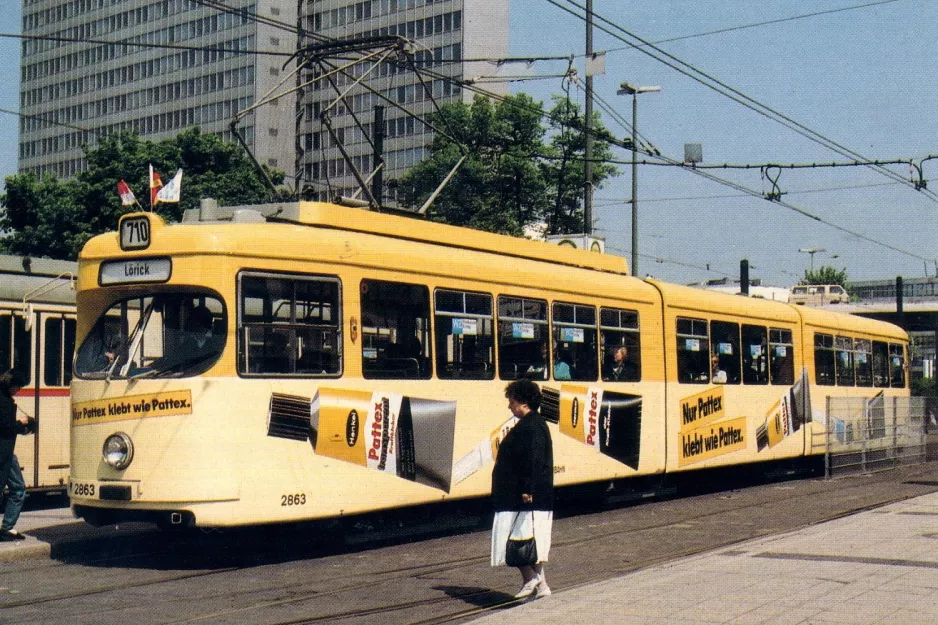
(300,361)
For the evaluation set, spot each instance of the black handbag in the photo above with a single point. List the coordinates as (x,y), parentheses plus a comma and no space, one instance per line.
(521,549)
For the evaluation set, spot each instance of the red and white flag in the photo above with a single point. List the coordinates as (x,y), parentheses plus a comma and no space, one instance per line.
(127,196)
(155,185)
(171,190)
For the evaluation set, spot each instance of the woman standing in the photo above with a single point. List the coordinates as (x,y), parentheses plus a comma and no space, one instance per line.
(522,481)
(10,473)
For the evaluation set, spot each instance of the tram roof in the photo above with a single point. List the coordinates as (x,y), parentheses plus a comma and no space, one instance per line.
(42,279)
(333,216)
(704,300)
(693,298)
(836,321)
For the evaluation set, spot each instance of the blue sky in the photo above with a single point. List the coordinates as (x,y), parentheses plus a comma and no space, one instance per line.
(862,76)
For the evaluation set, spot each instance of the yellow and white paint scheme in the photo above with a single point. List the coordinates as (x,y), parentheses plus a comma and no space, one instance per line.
(203,451)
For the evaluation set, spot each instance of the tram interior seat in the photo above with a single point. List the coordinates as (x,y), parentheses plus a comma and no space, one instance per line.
(391,368)
(472,370)
(317,362)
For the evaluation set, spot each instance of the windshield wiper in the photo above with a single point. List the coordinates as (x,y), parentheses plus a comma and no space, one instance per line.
(135,340)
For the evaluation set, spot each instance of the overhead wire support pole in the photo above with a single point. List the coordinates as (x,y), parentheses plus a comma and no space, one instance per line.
(588,114)
(634,268)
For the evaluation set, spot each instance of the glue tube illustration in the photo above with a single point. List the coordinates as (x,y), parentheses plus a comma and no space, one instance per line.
(408,437)
(608,421)
(788,415)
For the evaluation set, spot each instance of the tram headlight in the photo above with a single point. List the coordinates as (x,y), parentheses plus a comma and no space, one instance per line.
(118,450)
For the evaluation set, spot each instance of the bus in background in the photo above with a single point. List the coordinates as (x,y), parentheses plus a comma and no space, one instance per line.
(37,340)
(818,294)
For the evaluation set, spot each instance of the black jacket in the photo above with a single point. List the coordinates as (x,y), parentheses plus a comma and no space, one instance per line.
(525,464)
(9,427)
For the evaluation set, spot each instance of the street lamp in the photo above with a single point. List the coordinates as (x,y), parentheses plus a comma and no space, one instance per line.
(812,251)
(632,90)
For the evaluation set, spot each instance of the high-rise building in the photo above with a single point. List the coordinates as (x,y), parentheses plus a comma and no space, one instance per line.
(450,37)
(94,67)
(178,64)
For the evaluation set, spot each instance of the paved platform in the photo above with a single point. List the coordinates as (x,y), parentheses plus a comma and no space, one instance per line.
(875,567)
(33,520)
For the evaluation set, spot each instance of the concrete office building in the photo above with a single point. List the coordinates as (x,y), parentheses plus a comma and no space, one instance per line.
(445,33)
(79,87)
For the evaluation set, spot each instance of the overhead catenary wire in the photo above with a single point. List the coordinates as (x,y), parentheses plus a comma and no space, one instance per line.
(614,201)
(739,187)
(221,6)
(650,49)
(746,191)
(781,20)
(671,261)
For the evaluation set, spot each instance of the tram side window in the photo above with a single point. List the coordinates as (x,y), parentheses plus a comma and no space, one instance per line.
(523,339)
(845,364)
(619,331)
(59,347)
(755,355)
(864,362)
(897,365)
(574,342)
(16,348)
(395,330)
(693,351)
(824,359)
(724,345)
(465,346)
(781,357)
(880,364)
(290,325)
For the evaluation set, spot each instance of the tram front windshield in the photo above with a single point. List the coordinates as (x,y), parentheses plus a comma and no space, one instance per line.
(170,335)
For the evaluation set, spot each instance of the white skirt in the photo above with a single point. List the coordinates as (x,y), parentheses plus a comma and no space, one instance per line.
(501,529)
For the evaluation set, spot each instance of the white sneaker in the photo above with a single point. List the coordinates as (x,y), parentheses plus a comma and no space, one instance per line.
(543,590)
(529,587)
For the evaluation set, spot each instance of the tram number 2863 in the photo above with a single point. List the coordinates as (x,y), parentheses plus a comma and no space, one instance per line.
(293,499)
(81,489)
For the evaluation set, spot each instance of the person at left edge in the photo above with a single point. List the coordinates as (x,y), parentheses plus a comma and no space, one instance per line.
(523,480)
(10,473)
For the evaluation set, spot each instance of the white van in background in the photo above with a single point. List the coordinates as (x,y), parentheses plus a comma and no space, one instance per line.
(818,294)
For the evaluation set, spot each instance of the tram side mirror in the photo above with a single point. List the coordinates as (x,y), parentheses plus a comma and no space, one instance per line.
(29,317)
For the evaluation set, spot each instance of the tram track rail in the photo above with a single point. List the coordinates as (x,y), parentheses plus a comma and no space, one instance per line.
(648,532)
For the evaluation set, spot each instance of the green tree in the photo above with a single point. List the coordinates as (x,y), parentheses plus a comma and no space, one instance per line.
(513,175)
(42,217)
(825,275)
(564,169)
(499,187)
(52,217)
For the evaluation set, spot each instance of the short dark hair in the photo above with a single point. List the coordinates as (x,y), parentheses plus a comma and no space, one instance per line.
(524,391)
(10,380)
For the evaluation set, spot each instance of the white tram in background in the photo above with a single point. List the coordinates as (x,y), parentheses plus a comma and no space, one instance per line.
(303,361)
(37,339)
